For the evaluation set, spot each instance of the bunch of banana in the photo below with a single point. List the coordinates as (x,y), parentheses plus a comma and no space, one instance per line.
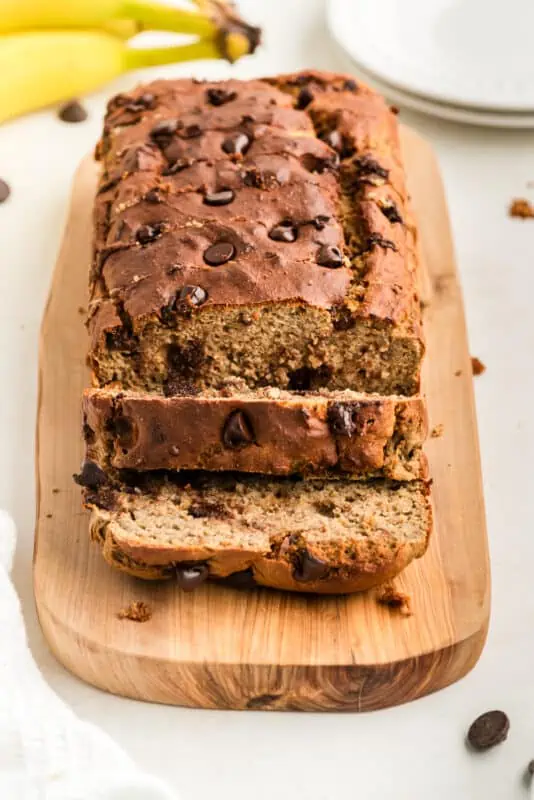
(53,50)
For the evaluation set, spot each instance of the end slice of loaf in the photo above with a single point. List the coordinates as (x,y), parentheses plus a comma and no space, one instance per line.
(333,434)
(308,536)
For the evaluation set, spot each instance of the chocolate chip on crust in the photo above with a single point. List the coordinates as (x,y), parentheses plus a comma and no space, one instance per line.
(309,568)
(190,576)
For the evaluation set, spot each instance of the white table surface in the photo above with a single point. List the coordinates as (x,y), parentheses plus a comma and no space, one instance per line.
(405,753)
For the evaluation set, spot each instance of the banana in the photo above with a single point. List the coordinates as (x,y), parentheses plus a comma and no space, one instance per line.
(209,19)
(42,68)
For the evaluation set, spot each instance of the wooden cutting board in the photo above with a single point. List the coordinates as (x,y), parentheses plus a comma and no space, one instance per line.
(221,648)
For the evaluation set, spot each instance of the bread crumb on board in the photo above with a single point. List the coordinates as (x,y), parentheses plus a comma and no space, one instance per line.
(138,611)
(388,595)
(521,208)
(477,366)
(437,431)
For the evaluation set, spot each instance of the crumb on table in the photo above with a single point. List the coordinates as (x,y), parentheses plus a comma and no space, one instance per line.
(477,365)
(55,491)
(138,611)
(82,311)
(457,373)
(437,431)
(521,208)
(389,595)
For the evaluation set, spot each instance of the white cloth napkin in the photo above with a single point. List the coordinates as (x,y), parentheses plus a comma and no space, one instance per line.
(46,752)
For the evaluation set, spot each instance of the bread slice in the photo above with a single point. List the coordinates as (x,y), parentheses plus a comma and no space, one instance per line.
(307,536)
(257,229)
(270,431)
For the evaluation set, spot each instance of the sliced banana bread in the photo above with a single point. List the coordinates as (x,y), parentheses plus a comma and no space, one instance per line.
(269,431)
(308,536)
(257,229)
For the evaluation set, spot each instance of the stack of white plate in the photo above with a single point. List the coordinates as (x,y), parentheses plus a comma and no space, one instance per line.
(465,60)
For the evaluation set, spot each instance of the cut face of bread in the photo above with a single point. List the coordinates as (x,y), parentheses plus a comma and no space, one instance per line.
(313,536)
(266,237)
(334,434)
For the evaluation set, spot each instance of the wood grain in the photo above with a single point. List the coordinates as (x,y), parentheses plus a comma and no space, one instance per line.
(221,648)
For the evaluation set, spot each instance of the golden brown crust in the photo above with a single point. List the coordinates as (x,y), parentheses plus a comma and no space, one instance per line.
(270,432)
(317,173)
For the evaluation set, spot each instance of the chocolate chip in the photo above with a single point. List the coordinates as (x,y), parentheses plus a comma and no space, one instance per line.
(88,433)
(190,576)
(193,295)
(219,253)
(320,221)
(237,431)
(238,143)
(334,139)
(206,509)
(309,568)
(148,233)
(284,232)
(369,166)
(153,196)
(5,191)
(191,132)
(146,100)
(374,239)
(488,730)
(304,98)
(177,166)
(240,580)
(350,85)
(90,475)
(163,132)
(340,419)
(72,112)
(218,97)
(330,256)
(391,212)
(221,198)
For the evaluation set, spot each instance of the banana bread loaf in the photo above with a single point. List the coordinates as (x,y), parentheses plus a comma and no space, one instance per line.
(268,431)
(256,229)
(308,536)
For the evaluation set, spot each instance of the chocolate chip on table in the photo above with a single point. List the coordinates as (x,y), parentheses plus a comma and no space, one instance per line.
(72,112)
(148,233)
(340,419)
(309,568)
(90,475)
(5,191)
(219,253)
(190,576)
(304,98)
(330,256)
(284,232)
(237,431)
(218,97)
(488,730)
(237,144)
(193,295)
(221,198)
(163,132)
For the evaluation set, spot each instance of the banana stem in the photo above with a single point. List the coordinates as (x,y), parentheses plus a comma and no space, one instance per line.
(157,56)
(156,16)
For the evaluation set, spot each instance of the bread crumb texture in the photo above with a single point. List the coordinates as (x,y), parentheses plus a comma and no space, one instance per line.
(521,208)
(388,595)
